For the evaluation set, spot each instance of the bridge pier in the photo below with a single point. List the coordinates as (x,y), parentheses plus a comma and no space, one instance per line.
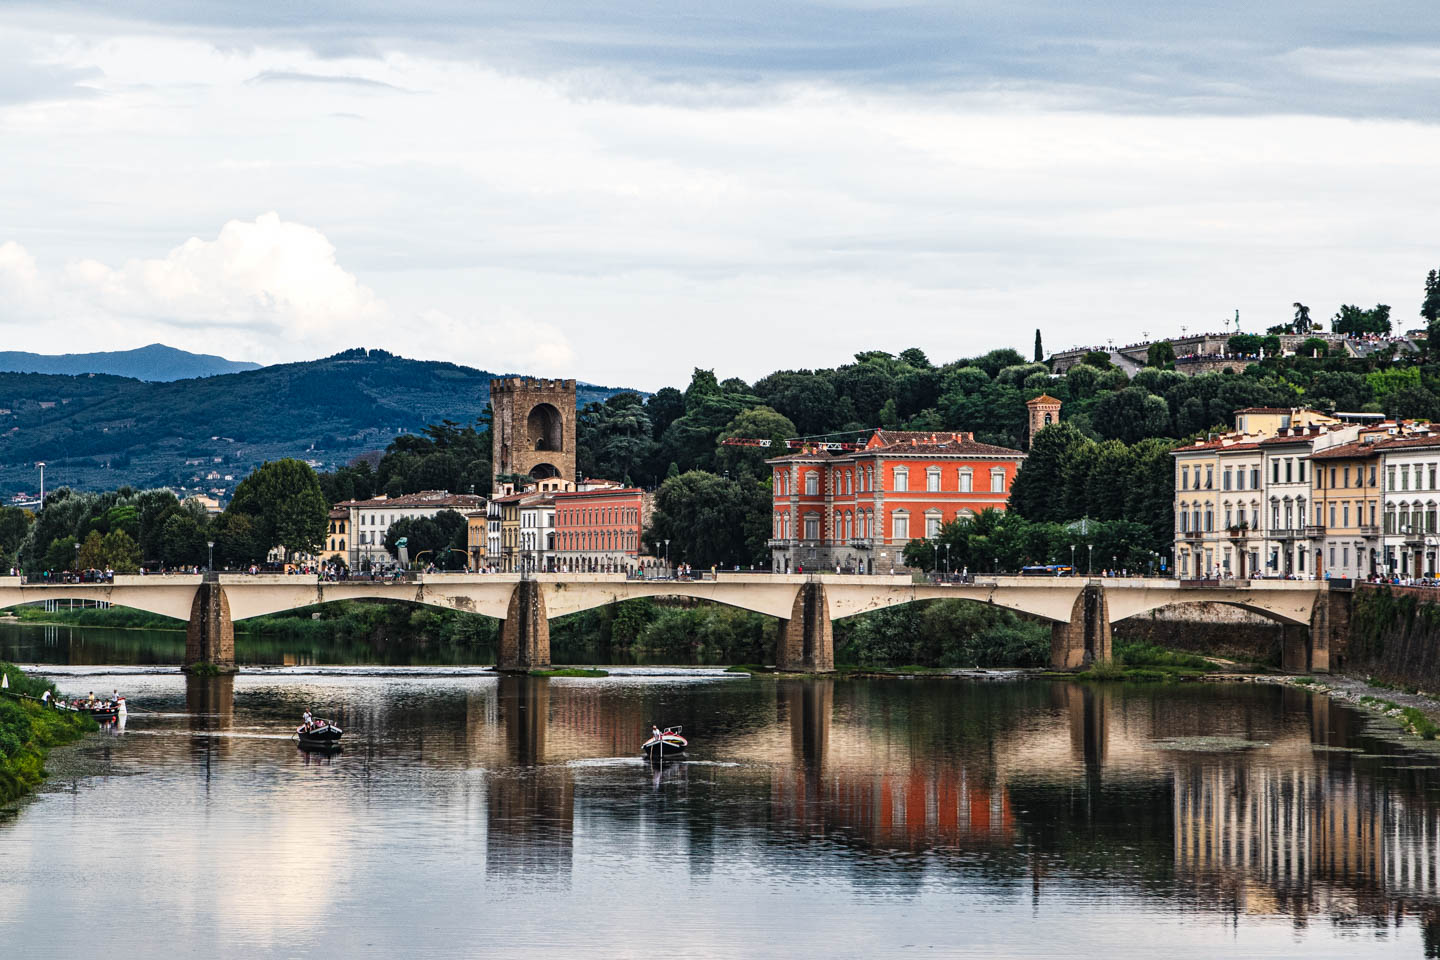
(210,635)
(525,634)
(1086,638)
(806,642)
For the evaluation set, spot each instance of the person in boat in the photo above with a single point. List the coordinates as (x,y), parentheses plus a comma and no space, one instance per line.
(654,732)
(45,698)
(308,721)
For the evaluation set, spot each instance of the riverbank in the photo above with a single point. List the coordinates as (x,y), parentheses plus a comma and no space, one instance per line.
(28,731)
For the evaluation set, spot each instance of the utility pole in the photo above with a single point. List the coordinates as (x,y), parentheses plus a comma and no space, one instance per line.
(41,465)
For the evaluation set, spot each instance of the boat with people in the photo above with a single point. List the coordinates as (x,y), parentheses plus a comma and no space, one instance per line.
(664,744)
(318,733)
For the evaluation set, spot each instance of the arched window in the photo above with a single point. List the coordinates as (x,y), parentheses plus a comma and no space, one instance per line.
(849,476)
(838,530)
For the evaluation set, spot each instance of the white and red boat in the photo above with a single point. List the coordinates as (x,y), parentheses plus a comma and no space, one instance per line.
(666,743)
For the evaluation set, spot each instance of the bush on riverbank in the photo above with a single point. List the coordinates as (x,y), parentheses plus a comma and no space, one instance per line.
(28,731)
(125,617)
(942,633)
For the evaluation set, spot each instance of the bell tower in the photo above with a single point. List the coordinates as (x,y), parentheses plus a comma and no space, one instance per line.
(533,428)
(1044,410)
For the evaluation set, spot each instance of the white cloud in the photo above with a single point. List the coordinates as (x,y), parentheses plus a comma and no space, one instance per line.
(268,278)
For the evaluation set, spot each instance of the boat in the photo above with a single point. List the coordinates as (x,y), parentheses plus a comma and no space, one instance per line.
(668,743)
(320,733)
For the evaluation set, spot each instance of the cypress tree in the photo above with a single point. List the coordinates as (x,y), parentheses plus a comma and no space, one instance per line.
(1039,350)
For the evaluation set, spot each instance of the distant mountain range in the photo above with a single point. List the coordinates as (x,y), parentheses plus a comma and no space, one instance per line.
(156,362)
(100,431)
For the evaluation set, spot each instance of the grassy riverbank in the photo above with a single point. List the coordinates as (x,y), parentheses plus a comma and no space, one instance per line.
(28,731)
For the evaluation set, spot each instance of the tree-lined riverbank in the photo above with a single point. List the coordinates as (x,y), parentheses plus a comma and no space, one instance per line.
(28,731)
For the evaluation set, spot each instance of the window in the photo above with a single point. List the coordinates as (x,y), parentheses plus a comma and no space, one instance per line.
(849,478)
(1184,478)
(1289,469)
(812,527)
(1372,475)
(1209,518)
(1344,512)
(1228,471)
(1275,471)
(1389,478)
(901,526)
(1254,478)
(902,479)
(1209,478)
(1404,478)
(997,480)
(932,527)
(967,480)
(812,483)
(932,479)
(1300,471)
(1332,517)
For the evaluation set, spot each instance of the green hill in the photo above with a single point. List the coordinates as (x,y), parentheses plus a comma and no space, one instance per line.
(99,432)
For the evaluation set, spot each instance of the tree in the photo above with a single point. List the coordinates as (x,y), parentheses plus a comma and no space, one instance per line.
(1035,492)
(282,498)
(711,520)
(1355,322)
(1160,355)
(1131,414)
(1246,344)
(60,555)
(615,439)
(1301,323)
(121,553)
(760,423)
(1430,306)
(437,536)
(1313,347)
(1097,358)
(1039,350)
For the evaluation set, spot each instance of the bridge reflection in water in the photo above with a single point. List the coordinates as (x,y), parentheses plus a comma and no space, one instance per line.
(1048,790)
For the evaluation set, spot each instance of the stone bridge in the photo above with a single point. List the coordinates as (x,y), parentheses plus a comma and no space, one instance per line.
(1080,610)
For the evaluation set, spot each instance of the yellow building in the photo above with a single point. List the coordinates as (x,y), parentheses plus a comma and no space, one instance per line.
(337,536)
(475,538)
(1345,533)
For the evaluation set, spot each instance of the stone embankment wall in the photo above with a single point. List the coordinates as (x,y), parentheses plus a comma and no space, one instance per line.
(1216,629)
(1395,635)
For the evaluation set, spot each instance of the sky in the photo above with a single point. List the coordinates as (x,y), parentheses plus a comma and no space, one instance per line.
(622,192)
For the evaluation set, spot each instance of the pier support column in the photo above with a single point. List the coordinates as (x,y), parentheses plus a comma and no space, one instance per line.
(525,634)
(210,636)
(806,643)
(1086,638)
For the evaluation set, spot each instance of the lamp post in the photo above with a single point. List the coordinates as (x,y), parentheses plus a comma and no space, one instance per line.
(997,565)
(41,465)
(937,557)
(77,557)
(1072,559)
(947,560)
(1090,570)
(667,558)
(210,564)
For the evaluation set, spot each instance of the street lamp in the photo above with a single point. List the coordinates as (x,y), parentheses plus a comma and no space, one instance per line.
(1072,558)
(41,465)
(667,558)
(1090,570)
(937,556)
(947,559)
(210,564)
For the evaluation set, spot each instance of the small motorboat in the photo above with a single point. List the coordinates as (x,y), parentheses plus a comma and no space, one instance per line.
(666,743)
(321,734)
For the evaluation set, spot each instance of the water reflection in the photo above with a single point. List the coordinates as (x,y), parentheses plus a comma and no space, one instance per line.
(1011,804)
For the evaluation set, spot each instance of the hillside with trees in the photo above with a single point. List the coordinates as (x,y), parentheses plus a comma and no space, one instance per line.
(99,432)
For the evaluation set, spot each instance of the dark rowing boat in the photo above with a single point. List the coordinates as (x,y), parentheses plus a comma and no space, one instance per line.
(668,743)
(321,735)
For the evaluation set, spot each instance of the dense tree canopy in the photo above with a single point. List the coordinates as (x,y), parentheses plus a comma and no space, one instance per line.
(285,504)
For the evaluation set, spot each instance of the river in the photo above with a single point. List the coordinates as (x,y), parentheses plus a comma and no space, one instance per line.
(473,815)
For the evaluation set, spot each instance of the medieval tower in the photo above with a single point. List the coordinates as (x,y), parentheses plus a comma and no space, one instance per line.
(1044,410)
(533,427)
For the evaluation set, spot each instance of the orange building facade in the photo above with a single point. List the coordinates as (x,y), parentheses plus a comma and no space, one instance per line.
(600,530)
(855,510)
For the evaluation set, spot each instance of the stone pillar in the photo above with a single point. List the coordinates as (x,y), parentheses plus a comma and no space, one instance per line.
(1086,638)
(525,634)
(210,636)
(806,642)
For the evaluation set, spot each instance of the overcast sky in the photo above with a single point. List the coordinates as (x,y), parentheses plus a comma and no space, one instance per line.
(621,192)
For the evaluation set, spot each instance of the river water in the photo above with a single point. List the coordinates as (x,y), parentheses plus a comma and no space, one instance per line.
(473,815)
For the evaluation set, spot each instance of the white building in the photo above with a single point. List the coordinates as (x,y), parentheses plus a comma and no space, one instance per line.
(1410,467)
(537,532)
(370,519)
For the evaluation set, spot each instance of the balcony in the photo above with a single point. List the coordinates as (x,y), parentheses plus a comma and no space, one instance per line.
(1289,533)
(1369,530)
(1315,530)
(1237,532)
(779,544)
(862,543)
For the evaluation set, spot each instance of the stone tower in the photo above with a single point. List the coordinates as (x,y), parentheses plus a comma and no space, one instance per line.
(1044,410)
(533,427)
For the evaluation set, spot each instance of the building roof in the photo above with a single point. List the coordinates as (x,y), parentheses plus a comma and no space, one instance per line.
(963,445)
(1043,398)
(425,498)
(1406,443)
(339,514)
(1354,450)
(602,492)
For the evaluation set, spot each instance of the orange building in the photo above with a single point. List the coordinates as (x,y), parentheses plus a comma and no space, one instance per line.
(599,530)
(857,509)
